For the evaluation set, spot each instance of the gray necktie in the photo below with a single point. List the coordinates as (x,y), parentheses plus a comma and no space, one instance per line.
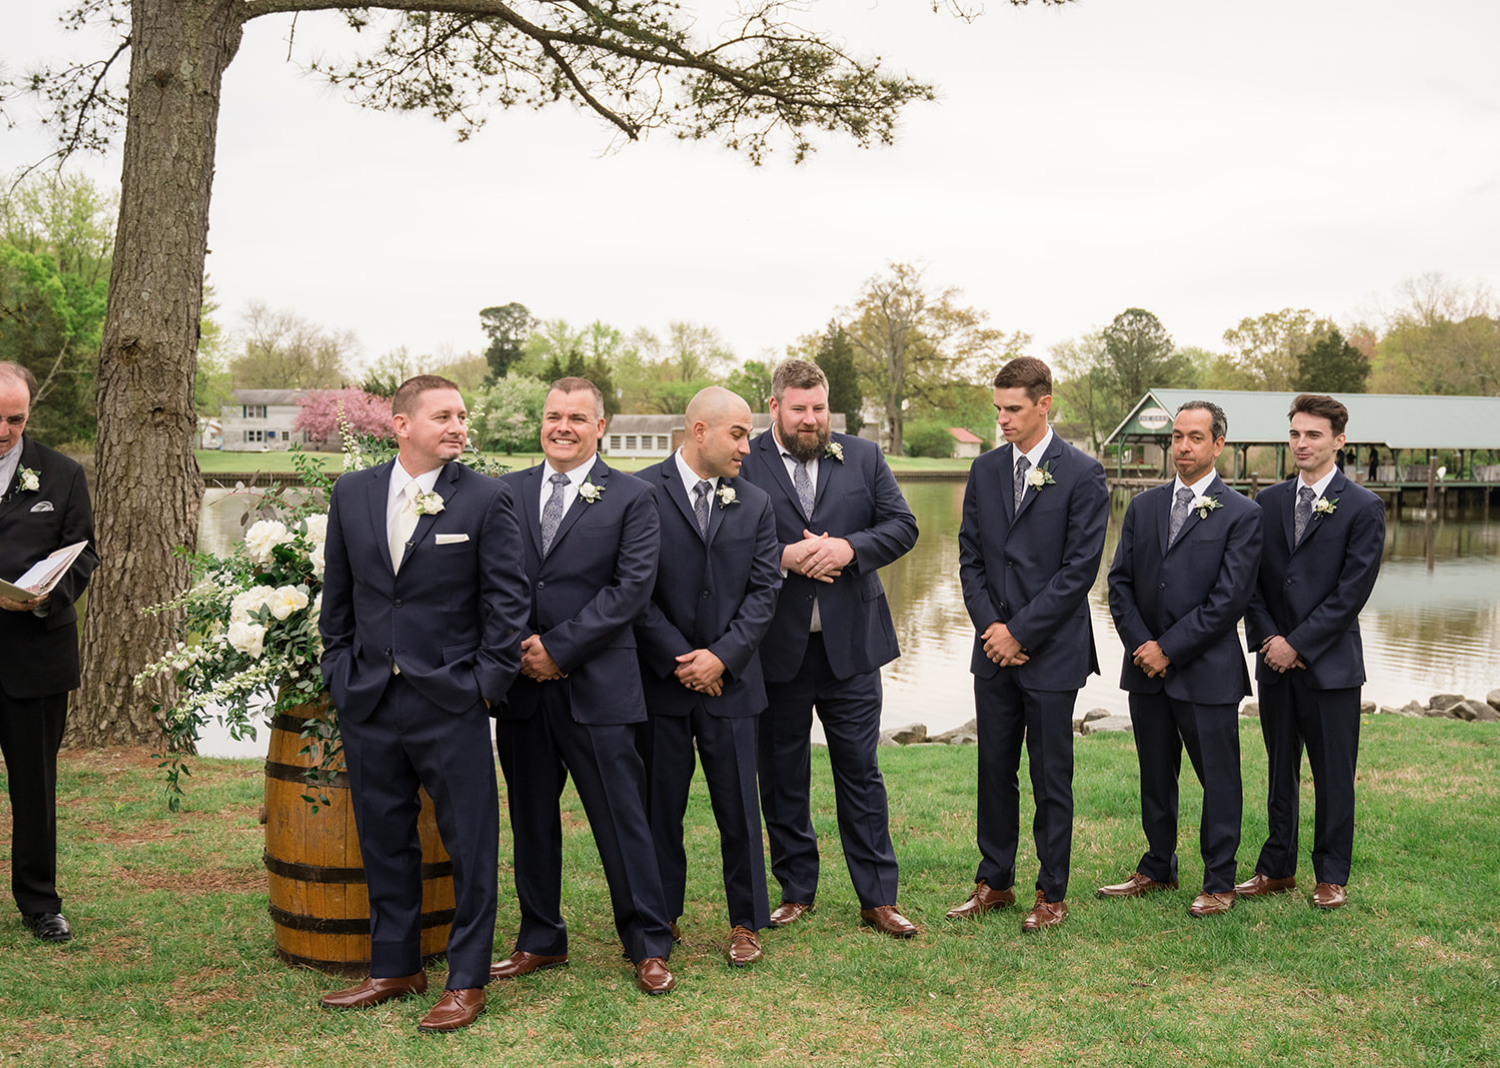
(1303,514)
(1179,515)
(700,504)
(803,484)
(1022,466)
(552,513)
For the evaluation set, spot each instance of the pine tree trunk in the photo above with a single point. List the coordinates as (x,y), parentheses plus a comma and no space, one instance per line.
(147,488)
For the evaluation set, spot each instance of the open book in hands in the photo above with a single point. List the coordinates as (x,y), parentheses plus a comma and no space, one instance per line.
(42,575)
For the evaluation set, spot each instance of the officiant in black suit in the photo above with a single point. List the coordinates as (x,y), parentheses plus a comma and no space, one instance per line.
(44,506)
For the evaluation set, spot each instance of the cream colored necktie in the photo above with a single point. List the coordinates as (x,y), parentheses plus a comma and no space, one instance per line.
(406,522)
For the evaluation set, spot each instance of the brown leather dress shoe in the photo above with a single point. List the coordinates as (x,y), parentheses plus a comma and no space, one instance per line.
(455,1010)
(788,913)
(886,920)
(981,901)
(1206,904)
(652,977)
(1259,885)
(1136,886)
(522,963)
(375,992)
(1329,896)
(1044,913)
(744,947)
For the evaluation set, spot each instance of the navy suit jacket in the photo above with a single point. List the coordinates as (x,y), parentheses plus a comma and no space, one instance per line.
(1186,598)
(1312,594)
(716,593)
(589,591)
(857,499)
(40,655)
(451,618)
(1032,568)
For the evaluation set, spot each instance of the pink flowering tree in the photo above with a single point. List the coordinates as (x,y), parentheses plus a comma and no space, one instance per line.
(365,413)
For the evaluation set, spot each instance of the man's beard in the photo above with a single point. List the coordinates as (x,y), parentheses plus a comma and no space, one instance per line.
(801,449)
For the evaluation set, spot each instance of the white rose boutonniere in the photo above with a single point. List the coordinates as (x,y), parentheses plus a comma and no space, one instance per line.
(1204,505)
(590,492)
(427,504)
(726,496)
(1324,506)
(1041,476)
(30,480)
(835,450)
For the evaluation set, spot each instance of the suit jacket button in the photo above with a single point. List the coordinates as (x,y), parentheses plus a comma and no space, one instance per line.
(387,652)
(541,585)
(704,594)
(1288,582)
(1161,585)
(397,603)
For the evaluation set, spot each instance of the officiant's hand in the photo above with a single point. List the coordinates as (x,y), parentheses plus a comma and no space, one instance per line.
(22,606)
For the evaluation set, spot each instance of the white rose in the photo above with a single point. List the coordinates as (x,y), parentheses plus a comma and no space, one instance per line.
(1036,478)
(285,600)
(247,638)
(245,603)
(316,559)
(317,605)
(317,528)
(262,538)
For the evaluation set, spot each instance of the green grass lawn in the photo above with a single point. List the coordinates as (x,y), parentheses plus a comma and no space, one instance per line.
(172,963)
(212,461)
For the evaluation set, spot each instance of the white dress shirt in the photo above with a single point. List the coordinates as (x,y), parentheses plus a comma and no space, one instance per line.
(399,478)
(1034,454)
(691,478)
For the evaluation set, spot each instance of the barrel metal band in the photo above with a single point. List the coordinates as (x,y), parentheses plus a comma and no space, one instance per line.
(293,724)
(292,773)
(319,873)
(358,925)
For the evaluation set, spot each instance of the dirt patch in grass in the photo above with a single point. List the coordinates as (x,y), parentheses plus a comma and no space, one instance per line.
(1430,784)
(202,989)
(245,879)
(1431,949)
(122,949)
(138,834)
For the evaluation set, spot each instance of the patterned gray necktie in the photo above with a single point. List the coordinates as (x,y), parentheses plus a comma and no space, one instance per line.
(552,512)
(700,504)
(802,482)
(1303,514)
(1022,466)
(1179,515)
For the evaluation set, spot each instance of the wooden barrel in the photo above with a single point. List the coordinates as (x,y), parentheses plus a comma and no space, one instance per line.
(319,901)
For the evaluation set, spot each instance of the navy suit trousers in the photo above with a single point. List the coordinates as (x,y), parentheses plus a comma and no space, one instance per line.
(1163,727)
(31,730)
(850,712)
(409,742)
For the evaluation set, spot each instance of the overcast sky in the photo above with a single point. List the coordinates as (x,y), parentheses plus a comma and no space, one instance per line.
(1203,160)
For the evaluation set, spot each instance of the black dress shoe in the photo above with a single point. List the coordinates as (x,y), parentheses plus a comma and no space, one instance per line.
(48,926)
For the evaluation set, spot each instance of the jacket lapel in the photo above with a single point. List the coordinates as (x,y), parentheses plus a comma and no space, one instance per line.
(11,494)
(531,505)
(672,486)
(767,444)
(1054,451)
(826,464)
(598,473)
(1008,480)
(1215,487)
(716,510)
(1335,489)
(1164,517)
(445,487)
(378,497)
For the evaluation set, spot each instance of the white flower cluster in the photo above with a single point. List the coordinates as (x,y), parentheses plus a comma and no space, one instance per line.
(262,538)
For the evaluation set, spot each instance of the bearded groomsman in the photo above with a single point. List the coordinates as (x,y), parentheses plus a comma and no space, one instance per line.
(1324,537)
(1183,573)
(700,665)
(1035,512)
(839,518)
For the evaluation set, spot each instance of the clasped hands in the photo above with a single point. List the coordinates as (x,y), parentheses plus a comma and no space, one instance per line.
(817,556)
(1150,659)
(701,671)
(1280,656)
(537,663)
(1001,646)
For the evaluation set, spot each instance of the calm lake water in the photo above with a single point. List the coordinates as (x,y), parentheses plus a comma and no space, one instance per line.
(1425,632)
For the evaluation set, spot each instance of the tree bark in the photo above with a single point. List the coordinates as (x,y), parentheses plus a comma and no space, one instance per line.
(147,487)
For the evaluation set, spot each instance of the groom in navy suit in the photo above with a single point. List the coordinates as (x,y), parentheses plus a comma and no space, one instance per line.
(1183,573)
(839,518)
(424,602)
(591,546)
(1324,537)
(699,640)
(1035,512)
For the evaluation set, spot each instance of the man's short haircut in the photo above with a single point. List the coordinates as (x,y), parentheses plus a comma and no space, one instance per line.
(1219,424)
(1321,405)
(404,402)
(574,384)
(1028,373)
(796,374)
(20,374)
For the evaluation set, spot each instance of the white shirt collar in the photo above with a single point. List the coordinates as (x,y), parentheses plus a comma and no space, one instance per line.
(1319,487)
(399,478)
(1199,488)
(691,478)
(575,476)
(10,463)
(1034,454)
(792,462)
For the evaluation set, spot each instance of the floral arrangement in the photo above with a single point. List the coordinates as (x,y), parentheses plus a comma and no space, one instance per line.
(1039,477)
(1204,505)
(726,496)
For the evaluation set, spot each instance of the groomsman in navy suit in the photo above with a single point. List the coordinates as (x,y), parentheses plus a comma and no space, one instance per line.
(591,545)
(423,604)
(699,639)
(1183,573)
(1035,512)
(1324,537)
(839,518)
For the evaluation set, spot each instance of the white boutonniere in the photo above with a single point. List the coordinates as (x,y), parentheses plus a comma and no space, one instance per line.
(427,504)
(30,480)
(1323,506)
(590,492)
(835,450)
(726,496)
(1204,505)
(1041,476)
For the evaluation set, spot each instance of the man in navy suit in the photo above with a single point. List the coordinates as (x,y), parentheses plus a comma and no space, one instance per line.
(714,599)
(44,506)
(1324,537)
(591,547)
(839,518)
(424,602)
(1035,512)
(1183,573)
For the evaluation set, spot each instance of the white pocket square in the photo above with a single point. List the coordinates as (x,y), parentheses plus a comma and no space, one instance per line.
(450,539)
(42,506)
